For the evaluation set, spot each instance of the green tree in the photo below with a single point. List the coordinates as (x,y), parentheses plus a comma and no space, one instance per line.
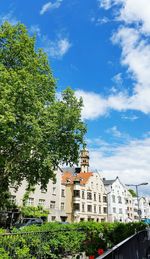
(132,192)
(37,131)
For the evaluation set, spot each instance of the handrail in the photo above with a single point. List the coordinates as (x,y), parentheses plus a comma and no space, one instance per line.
(122,243)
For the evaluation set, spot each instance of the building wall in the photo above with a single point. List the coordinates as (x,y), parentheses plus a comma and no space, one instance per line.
(51,199)
(88,201)
(116,202)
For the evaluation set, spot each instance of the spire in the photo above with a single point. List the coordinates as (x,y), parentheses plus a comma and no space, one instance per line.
(84,160)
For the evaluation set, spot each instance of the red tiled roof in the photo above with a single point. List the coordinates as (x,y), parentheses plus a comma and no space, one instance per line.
(67,177)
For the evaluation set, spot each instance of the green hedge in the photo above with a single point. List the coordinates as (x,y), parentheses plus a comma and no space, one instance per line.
(58,240)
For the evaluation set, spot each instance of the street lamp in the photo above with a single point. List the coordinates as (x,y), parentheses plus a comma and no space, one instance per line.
(137,194)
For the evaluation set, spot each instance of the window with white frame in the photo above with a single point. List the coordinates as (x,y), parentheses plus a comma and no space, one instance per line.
(83,207)
(114,210)
(62,205)
(99,197)
(30,201)
(105,210)
(119,199)
(52,204)
(76,193)
(99,209)
(120,211)
(54,190)
(83,196)
(89,196)
(41,202)
(76,206)
(89,208)
(113,198)
(62,193)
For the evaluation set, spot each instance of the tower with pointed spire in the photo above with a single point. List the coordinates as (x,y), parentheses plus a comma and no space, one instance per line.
(84,160)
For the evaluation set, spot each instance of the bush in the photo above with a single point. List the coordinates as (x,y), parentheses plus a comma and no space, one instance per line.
(54,240)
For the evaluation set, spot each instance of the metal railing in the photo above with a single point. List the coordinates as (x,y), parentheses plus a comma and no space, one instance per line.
(134,247)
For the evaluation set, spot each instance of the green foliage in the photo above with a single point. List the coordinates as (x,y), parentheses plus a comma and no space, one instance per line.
(53,240)
(132,192)
(37,131)
(3,254)
(36,212)
(27,194)
(2,231)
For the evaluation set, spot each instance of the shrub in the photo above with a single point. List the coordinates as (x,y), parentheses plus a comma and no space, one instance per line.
(54,240)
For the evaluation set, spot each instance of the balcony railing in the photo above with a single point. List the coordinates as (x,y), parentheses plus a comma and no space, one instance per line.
(134,247)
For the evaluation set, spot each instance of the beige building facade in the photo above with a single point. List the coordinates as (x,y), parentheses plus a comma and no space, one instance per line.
(52,200)
(85,194)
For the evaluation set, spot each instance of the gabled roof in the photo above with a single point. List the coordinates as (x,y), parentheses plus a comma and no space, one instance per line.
(69,178)
(109,182)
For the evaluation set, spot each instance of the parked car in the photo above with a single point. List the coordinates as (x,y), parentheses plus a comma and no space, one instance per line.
(28,222)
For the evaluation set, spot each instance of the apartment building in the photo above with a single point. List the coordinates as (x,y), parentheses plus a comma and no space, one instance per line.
(129,205)
(144,206)
(52,199)
(85,193)
(116,195)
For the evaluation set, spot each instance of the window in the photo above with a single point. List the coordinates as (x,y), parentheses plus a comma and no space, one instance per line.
(119,199)
(83,207)
(76,193)
(99,197)
(62,205)
(94,208)
(99,209)
(89,208)
(104,199)
(54,191)
(41,202)
(120,211)
(53,218)
(43,190)
(30,202)
(52,204)
(89,196)
(62,193)
(83,195)
(105,209)
(94,196)
(76,206)
(81,219)
(113,198)
(114,210)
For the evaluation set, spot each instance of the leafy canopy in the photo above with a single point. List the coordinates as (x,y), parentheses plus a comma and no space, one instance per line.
(37,131)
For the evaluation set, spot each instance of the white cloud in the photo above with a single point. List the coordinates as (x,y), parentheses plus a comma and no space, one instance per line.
(35,29)
(94,104)
(106,4)
(133,38)
(118,79)
(57,48)
(9,17)
(129,161)
(50,6)
(114,131)
(129,117)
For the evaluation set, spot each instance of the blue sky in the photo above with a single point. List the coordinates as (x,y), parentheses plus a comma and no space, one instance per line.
(101,48)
